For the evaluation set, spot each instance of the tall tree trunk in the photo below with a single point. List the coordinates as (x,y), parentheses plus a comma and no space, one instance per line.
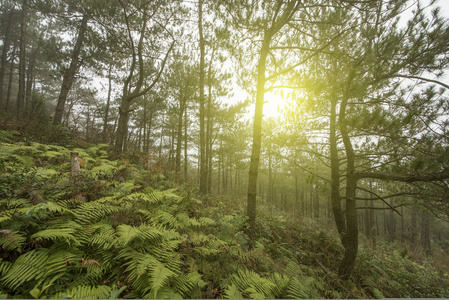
(69,73)
(425,232)
(10,81)
(392,222)
(257,135)
(335,173)
(108,103)
(186,161)
(6,43)
(122,126)
(182,104)
(270,177)
(209,125)
(30,76)
(351,236)
(203,159)
(22,62)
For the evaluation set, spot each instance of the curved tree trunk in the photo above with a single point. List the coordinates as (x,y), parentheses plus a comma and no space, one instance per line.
(69,74)
(350,237)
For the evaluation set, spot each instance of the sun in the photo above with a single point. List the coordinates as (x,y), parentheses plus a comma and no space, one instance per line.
(275,102)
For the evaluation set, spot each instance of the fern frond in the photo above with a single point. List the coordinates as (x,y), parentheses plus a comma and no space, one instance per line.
(101,235)
(186,283)
(232,292)
(38,265)
(293,269)
(92,211)
(164,293)
(251,284)
(281,283)
(27,267)
(56,208)
(60,234)
(160,217)
(159,277)
(11,241)
(85,292)
(301,288)
(128,234)
(4,267)
(124,189)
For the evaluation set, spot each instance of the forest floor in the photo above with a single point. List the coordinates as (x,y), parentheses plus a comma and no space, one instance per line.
(118,230)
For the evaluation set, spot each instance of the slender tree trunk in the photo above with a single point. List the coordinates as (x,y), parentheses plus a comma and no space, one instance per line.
(351,236)
(257,135)
(182,104)
(6,44)
(108,103)
(270,177)
(30,75)
(69,74)
(203,159)
(122,127)
(22,61)
(392,223)
(186,161)
(425,232)
(209,126)
(10,81)
(335,173)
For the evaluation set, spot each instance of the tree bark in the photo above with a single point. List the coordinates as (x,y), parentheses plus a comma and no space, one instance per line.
(69,73)
(179,140)
(108,103)
(186,161)
(335,173)
(425,232)
(350,238)
(30,76)
(257,134)
(203,158)
(128,96)
(22,62)
(10,81)
(6,44)
(75,163)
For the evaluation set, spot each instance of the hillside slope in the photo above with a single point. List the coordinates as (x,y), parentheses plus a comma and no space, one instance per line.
(116,231)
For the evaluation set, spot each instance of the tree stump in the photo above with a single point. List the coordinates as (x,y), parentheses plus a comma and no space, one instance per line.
(75,163)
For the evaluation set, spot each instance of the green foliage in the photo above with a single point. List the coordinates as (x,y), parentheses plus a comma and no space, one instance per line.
(107,234)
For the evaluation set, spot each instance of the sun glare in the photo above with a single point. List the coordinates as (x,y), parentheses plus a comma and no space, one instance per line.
(275,101)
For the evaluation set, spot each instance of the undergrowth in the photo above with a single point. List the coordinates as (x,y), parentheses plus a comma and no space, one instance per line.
(117,231)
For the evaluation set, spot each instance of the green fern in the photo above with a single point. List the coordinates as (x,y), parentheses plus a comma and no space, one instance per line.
(101,235)
(159,277)
(27,267)
(4,267)
(92,211)
(233,292)
(37,265)
(185,284)
(303,288)
(11,241)
(251,284)
(85,292)
(62,234)
(128,234)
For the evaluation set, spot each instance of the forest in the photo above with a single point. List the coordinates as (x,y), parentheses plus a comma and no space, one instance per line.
(233,149)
